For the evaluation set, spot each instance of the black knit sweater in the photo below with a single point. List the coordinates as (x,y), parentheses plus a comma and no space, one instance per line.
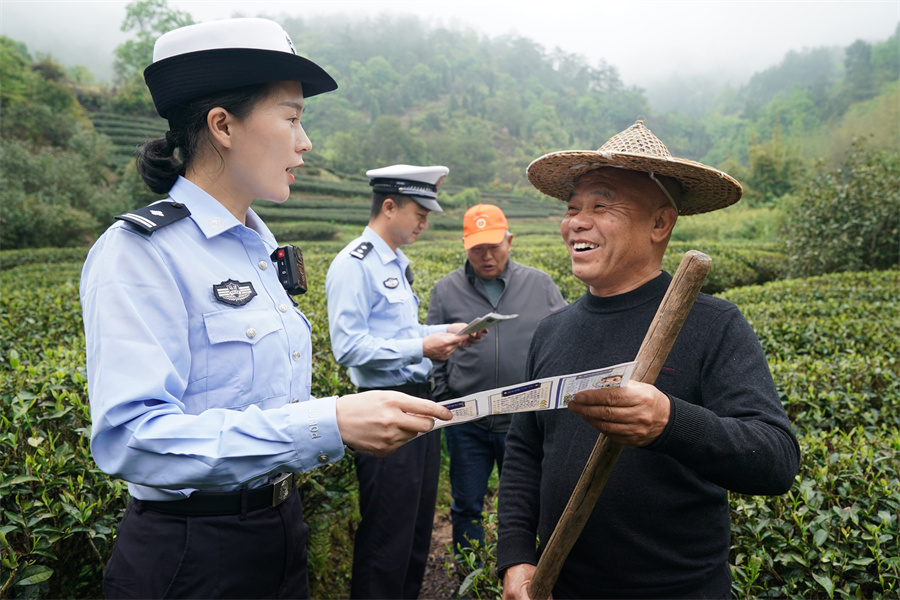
(661,527)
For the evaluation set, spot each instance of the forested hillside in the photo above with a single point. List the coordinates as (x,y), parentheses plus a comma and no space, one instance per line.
(484,106)
(488,106)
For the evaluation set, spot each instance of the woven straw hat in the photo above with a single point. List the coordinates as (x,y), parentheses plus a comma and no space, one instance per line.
(703,188)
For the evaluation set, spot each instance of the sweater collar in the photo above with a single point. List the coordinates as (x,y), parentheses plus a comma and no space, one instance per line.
(504,276)
(654,289)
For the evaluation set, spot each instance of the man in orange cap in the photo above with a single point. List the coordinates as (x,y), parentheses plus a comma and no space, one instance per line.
(488,282)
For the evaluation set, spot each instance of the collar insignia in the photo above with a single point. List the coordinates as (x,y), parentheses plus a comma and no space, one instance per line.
(235,293)
(391,283)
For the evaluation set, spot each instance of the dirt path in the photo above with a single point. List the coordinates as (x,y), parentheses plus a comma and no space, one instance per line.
(437,584)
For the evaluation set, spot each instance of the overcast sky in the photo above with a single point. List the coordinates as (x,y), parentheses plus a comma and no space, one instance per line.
(646,40)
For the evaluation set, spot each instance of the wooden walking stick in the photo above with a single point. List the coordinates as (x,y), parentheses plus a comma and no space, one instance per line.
(670,316)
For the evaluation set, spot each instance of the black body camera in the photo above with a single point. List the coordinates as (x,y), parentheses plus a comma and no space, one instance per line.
(289,262)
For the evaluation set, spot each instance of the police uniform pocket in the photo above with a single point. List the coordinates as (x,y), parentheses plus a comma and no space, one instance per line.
(245,362)
(397,295)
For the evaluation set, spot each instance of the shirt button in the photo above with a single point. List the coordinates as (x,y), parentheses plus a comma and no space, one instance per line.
(323,458)
(295,355)
(282,307)
(251,333)
(263,265)
(296,400)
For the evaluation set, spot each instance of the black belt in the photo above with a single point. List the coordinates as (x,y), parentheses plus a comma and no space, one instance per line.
(424,389)
(210,504)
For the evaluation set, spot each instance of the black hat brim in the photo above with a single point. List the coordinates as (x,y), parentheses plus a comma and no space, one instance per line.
(179,79)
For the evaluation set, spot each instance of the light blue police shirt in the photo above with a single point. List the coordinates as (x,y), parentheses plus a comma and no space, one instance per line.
(188,392)
(373,316)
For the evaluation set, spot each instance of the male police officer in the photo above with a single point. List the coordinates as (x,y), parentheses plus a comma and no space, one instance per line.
(375,331)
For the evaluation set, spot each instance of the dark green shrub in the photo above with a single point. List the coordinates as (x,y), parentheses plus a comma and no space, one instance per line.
(835,533)
(475,566)
(51,256)
(846,219)
(59,510)
(303,232)
(841,392)
(826,317)
(55,196)
(832,347)
(733,264)
(330,508)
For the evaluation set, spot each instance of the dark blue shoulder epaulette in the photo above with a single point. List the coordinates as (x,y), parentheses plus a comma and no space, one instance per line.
(156,216)
(361,250)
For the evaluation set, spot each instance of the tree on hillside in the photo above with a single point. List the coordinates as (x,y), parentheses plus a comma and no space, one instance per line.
(35,100)
(775,168)
(859,80)
(809,68)
(148,19)
(55,170)
(886,58)
(465,147)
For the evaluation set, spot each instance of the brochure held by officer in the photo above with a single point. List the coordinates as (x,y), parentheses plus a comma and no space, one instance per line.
(485,322)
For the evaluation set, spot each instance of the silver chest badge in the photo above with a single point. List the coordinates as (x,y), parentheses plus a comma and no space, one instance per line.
(391,282)
(235,293)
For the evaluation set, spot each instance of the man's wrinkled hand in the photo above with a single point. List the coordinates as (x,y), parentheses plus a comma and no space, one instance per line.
(632,415)
(516,580)
(439,346)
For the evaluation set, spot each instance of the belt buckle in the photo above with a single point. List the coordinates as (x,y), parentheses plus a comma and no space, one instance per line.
(281,488)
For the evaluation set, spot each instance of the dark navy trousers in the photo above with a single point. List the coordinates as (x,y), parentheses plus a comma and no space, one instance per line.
(473,453)
(397,496)
(262,555)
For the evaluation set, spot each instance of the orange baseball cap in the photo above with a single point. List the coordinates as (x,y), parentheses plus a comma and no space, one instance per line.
(483,224)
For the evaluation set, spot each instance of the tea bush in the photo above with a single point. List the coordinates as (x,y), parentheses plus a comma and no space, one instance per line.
(846,219)
(831,341)
(303,230)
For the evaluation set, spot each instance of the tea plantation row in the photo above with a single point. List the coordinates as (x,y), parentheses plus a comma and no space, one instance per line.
(831,342)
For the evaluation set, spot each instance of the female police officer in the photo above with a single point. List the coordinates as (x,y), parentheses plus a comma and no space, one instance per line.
(198,363)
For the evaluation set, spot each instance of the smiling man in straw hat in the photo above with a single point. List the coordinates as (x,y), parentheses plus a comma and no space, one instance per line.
(712,423)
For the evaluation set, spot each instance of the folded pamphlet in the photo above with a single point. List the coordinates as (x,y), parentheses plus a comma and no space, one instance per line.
(542,394)
(485,322)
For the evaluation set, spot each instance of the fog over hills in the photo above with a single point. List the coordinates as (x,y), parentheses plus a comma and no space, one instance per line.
(658,46)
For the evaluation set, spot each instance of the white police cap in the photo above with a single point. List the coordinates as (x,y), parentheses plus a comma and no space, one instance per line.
(419,183)
(205,58)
